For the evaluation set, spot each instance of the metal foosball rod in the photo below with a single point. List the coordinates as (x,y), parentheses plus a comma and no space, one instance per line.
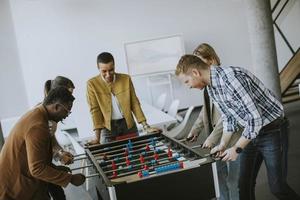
(105,150)
(134,160)
(120,154)
(140,164)
(77,155)
(118,150)
(136,171)
(82,167)
(92,175)
(80,158)
(135,142)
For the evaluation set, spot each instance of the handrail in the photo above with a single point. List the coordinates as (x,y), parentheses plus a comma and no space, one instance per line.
(277,27)
(275,6)
(289,62)
(284,38)
(281,10)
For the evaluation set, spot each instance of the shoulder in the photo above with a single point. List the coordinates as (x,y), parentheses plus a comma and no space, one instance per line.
(37,126)
(123,77)
(95,82)
(38,131)
(93,79)
(229,72)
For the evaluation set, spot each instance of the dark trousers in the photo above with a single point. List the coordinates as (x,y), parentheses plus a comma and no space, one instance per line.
(118,128)
(56,192)
(268,147)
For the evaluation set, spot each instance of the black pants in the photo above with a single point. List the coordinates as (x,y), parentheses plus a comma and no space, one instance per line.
(56,192)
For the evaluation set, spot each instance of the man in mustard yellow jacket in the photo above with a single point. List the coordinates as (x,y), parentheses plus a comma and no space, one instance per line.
(112,100)
(26,158)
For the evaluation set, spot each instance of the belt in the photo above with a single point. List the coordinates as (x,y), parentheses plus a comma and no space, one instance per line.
(274,124)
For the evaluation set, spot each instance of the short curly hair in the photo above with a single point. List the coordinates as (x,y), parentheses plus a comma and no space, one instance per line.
(59,95)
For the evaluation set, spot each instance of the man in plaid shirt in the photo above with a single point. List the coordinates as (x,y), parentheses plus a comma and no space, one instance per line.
(244,102)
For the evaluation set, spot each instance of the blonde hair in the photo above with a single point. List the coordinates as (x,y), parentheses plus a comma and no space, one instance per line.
(205,51)
(188,62)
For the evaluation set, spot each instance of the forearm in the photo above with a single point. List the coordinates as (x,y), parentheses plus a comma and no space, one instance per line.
(198,124)
(242,142)
(225,139)
(216,135)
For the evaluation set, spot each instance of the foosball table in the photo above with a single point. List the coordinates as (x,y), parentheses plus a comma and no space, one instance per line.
(152,166)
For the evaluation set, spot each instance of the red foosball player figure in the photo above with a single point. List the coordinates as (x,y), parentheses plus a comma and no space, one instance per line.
(146,167)
(170,154)
(114,174)
(156,156)
(140,174)
(147,148)
(113,165)
(127,161)
(126,152)
(142,160)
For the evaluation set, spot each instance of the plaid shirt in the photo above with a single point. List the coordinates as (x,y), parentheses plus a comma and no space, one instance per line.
(243,100)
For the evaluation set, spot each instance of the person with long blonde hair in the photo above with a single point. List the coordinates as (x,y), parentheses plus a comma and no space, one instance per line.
(209,123)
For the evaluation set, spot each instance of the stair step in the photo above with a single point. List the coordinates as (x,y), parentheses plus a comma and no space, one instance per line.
(291,98)
(290,72)
(292,90)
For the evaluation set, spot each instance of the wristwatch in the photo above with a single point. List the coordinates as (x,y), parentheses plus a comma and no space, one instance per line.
(238,150)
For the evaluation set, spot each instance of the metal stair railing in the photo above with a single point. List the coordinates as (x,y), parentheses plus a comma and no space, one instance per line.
(288,90)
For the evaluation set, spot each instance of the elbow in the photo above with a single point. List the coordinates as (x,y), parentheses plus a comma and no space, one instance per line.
(36,170)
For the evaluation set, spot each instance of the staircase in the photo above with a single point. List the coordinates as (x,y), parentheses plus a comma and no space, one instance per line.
(290,75)
(290,79)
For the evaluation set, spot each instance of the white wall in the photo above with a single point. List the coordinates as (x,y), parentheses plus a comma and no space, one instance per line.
(63,37)
(13,99)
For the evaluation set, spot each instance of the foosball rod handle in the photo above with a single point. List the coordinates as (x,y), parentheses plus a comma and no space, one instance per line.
(80,158)
(82,154)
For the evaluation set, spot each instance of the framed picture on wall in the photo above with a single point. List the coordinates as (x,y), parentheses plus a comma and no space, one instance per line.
(153,56)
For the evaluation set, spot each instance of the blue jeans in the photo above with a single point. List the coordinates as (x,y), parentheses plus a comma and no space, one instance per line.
(267,147)
(228,176)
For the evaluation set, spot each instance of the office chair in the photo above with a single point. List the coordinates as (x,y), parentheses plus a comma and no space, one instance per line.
(161,101)
(181,130)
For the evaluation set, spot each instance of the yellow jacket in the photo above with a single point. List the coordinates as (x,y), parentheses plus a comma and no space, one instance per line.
(100,101)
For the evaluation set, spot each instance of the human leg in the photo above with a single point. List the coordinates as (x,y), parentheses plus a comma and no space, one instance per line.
(222,177)
(56,192)
(250,162)
(233,178)
(270,146)
(284,138)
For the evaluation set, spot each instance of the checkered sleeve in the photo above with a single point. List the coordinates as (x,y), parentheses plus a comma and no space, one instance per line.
(242,88)
(229,124)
